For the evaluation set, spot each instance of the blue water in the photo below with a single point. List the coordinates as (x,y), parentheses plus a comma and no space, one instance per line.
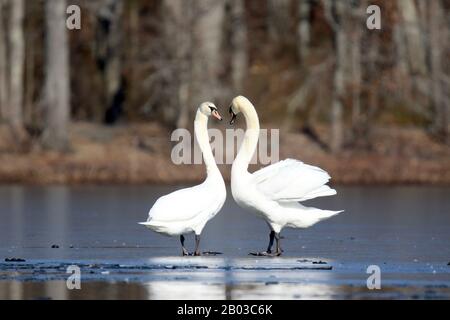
(403,230)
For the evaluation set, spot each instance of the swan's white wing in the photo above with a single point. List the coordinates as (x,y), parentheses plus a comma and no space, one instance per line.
(292,180)
(183,204)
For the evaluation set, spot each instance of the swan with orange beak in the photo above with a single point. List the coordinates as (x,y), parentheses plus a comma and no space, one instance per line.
(188,210)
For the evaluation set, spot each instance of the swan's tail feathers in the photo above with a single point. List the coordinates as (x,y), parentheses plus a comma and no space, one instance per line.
(146,224)
(304,217)
(152,223)
(157,226)
(325,214)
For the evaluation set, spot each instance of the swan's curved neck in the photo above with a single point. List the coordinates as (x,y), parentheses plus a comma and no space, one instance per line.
(201,134)
(251,137)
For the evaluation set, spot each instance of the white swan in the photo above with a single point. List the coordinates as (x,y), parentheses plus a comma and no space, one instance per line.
(273,192)
(188,210)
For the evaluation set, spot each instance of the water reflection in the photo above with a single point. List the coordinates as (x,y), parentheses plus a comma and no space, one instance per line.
(158,290)
(181,290)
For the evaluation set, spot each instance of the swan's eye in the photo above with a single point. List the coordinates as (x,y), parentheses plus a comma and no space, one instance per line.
(212,108)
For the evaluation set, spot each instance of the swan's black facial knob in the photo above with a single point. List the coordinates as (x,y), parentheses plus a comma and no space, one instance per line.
(214,112)
(233,115)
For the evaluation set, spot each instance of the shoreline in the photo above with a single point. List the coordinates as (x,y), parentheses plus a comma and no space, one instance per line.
(139,154)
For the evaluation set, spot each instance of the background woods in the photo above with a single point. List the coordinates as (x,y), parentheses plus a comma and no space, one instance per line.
(311,67)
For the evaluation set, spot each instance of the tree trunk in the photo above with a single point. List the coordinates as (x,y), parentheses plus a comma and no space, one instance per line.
(414,37)
(178,40)
(304,29)
(109,38)
(401,60)
(57,95)
(16,74)
(29,78)
(356,35)
(194,34)
(341,69)
(436,24)
(279,19)
(257,26)
(239,58)
(132,54)
(337,126)
(3,65)
(373,96)
(207,59)
(356,77)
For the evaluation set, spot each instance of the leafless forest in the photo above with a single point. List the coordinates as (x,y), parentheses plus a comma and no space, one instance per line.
(344,96)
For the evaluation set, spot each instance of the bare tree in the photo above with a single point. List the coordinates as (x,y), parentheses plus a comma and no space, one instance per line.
(436,23)
(356,47)
(304,28)
(3,64)
(239,58)
(56,91)
(132,51)
(373,94)
(192,62)
(415,44)
(178,34)
(341,43)
(401,60)
(311,86)
(16,62)
(109,54)
(356,75)
(207,55)
(28,109)
(279,18)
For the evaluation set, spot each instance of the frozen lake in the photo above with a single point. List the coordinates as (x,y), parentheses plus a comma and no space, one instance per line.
(403,230)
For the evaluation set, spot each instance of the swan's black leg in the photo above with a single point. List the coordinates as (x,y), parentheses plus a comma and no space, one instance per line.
(185,252)
(271,237)
(197,243)
(277,238)
(268,252)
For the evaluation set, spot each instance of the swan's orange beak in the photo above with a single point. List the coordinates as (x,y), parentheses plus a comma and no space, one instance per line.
(216,115)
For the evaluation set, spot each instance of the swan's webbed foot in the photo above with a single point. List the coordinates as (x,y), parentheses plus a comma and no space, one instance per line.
(259,254)
(211,253)
(265,254)
(205,253)
(262,254)
(197,252)
(277,253)
(268,253)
